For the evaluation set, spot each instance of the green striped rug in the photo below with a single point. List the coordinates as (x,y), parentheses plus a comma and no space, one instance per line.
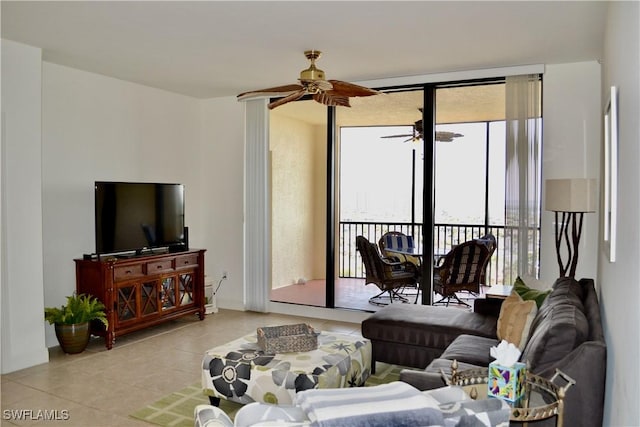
(176,409)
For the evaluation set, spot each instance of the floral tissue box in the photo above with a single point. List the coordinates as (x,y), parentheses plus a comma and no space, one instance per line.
(507,383)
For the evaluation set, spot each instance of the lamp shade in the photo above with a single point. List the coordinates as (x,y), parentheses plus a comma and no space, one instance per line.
(570,195)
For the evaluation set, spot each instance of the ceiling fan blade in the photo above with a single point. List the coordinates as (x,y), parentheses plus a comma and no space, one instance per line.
(397,136)
(292,97)
(331,99)
(341,88)
(272,91)
(441,136)
(444,136)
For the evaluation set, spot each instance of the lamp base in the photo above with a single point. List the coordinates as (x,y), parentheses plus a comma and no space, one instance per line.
(573,220)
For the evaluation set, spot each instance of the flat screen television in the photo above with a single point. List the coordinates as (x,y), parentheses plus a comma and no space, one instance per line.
(135,216)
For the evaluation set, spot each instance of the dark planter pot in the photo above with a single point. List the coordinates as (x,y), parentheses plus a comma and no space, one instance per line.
(73,338)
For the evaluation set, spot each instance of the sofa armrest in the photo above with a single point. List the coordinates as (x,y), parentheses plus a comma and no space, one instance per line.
(487,306)
(587,365)
(422,380)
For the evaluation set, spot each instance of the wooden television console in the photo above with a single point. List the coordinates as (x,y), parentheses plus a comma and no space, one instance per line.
(143,290)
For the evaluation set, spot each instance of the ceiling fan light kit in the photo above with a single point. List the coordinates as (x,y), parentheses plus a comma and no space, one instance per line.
(312,73)
(312,82)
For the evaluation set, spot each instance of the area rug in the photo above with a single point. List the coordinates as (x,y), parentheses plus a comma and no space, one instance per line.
(176,409)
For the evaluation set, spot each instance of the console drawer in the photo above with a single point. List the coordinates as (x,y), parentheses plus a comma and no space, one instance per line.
(126,272)
(187,260)
(159,266)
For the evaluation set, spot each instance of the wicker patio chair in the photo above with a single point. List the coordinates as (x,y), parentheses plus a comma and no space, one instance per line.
(489,240)
(462,270)
(388,276)
(399,240)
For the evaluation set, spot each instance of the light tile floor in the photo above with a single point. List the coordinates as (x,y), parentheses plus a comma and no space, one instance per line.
(102,387)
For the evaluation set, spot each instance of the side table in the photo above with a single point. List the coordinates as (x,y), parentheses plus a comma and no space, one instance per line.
(499,291)
(543,398)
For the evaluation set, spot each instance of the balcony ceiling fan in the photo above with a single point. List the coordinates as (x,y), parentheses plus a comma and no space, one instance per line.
(418,133)
(312,82)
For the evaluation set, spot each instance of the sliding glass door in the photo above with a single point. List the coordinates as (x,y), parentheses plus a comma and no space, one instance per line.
(429,161)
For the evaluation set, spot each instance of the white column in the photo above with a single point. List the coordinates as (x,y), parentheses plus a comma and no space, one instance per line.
(22,307)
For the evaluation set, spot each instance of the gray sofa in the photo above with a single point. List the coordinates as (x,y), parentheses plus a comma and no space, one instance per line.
(566,334)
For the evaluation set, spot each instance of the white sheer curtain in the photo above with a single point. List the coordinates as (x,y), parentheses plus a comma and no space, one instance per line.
(522,193)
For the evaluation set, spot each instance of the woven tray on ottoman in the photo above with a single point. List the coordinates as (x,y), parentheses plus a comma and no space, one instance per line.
(287,338)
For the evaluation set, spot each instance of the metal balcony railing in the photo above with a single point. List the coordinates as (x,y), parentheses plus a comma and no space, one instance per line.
(445,237)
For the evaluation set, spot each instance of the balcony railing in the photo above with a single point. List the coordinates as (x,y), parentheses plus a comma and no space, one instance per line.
(445,237)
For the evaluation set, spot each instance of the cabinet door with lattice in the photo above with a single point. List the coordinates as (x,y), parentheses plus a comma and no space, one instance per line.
(186,288)
(168,295)
(149,298)
(126,302)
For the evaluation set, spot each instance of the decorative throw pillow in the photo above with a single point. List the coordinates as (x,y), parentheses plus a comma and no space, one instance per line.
(514,321)
(527,293)
(533,283)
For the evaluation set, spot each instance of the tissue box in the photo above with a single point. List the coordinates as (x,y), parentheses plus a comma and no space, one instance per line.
(507,383)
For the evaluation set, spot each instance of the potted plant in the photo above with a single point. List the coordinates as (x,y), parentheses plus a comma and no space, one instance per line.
(72,321)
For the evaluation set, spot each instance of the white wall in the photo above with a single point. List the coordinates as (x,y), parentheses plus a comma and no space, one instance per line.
(222,170)
(619,281)
(571,149)
(22,305)
(100,128)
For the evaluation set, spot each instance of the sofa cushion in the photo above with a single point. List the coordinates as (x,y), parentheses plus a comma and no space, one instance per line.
(559,327)
(515,320)
(566,287)
(425,325)
(413,335)
(470,349)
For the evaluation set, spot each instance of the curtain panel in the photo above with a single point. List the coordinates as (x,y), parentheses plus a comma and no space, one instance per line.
(257,231)
(523,172)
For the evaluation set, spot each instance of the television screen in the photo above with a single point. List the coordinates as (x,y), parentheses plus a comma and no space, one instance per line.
(133,216)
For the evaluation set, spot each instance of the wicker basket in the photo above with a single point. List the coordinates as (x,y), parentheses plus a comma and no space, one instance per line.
(287,338)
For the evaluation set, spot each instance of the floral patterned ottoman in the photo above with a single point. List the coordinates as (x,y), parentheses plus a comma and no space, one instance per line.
(239,371)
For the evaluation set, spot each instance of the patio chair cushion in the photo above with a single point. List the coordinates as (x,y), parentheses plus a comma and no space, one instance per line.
(399,241)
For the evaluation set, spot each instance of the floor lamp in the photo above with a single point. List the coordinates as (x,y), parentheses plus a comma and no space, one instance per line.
(570,199)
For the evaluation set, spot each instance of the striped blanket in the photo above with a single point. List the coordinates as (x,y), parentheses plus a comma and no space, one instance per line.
(393,404)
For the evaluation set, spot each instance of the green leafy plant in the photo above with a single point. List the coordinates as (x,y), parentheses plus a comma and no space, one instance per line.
(79,309)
